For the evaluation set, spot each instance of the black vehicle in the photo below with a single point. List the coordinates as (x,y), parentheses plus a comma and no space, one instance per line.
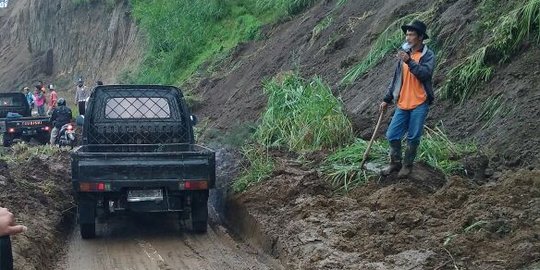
(17,123)
(138,154)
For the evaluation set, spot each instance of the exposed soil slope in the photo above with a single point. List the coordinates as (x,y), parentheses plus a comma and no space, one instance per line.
(37,189)
(58,41)
(234,96)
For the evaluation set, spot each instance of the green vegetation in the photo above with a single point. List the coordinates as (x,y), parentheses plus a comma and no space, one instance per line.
(260,167)
(439,152)
(108,3)
(80,2)
(340,3)
(510,31)
(184,34)
(284,7)
(343,167)
(492,107)
(388,40)
(321,26)
(21,151)
(302,116)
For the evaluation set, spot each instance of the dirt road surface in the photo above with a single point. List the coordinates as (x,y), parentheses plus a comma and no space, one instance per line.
(159,242)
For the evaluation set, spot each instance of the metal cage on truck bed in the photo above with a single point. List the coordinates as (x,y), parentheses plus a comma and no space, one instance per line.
(136,115)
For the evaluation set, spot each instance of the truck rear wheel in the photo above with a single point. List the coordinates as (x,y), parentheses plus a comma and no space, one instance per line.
(87,217)
(6,140)
(199,211)
(88,230)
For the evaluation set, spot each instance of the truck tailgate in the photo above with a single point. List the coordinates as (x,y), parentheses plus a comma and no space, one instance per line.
(143,164)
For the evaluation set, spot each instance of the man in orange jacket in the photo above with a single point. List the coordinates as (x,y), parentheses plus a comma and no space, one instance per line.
(412,91)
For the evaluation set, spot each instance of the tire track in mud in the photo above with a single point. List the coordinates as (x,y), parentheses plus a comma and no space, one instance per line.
(158,242)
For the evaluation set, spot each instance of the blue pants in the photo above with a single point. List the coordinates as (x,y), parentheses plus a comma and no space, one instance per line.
(410,121)
(41,110)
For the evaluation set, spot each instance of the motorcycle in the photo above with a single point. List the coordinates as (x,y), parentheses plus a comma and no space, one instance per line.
(66,136)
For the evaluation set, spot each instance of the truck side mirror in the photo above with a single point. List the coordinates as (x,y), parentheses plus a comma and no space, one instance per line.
(193,119)
(80,120)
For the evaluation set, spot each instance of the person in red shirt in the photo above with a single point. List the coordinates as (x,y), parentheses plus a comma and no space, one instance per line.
(53,98)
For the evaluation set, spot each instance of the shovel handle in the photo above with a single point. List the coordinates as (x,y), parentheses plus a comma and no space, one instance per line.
(368,148)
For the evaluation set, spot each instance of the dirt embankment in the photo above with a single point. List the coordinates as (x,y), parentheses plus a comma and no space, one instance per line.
(393,225)
(58,41)
(36,186)
(233,96)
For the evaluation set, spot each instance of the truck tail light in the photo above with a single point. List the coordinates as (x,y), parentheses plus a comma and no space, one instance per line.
(96,186)
(11,130)
(194,184)
(47,128)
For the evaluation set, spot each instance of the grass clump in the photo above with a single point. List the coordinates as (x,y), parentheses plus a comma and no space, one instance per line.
(493,106)
(21,151)
(320,27)
(437,150)
(342,168)
(285,7)
(464,79)
(510,31)
(260,166)
(302,116)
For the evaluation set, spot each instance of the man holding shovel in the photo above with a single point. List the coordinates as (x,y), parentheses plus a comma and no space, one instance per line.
(412,91)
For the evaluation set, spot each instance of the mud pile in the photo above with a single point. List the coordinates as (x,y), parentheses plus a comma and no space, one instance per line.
(393,225)
(36,186)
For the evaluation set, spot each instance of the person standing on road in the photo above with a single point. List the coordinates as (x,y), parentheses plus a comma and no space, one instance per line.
(53,98)
(81,95)
(412,91)
(39,99)
(60,116)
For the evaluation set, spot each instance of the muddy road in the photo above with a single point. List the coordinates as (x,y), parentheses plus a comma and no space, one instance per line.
(159,242)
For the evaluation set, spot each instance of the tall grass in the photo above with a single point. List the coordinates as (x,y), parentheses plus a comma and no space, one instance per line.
(22,151)
(320,27)
(260,166)
(302,116)
(285,7)
(510,31)
(463,80)
(388,41)
(492,107)
(342,168)
(437,150)
(184,34)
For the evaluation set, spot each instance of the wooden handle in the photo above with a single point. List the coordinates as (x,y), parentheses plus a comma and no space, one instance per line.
(366,153)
